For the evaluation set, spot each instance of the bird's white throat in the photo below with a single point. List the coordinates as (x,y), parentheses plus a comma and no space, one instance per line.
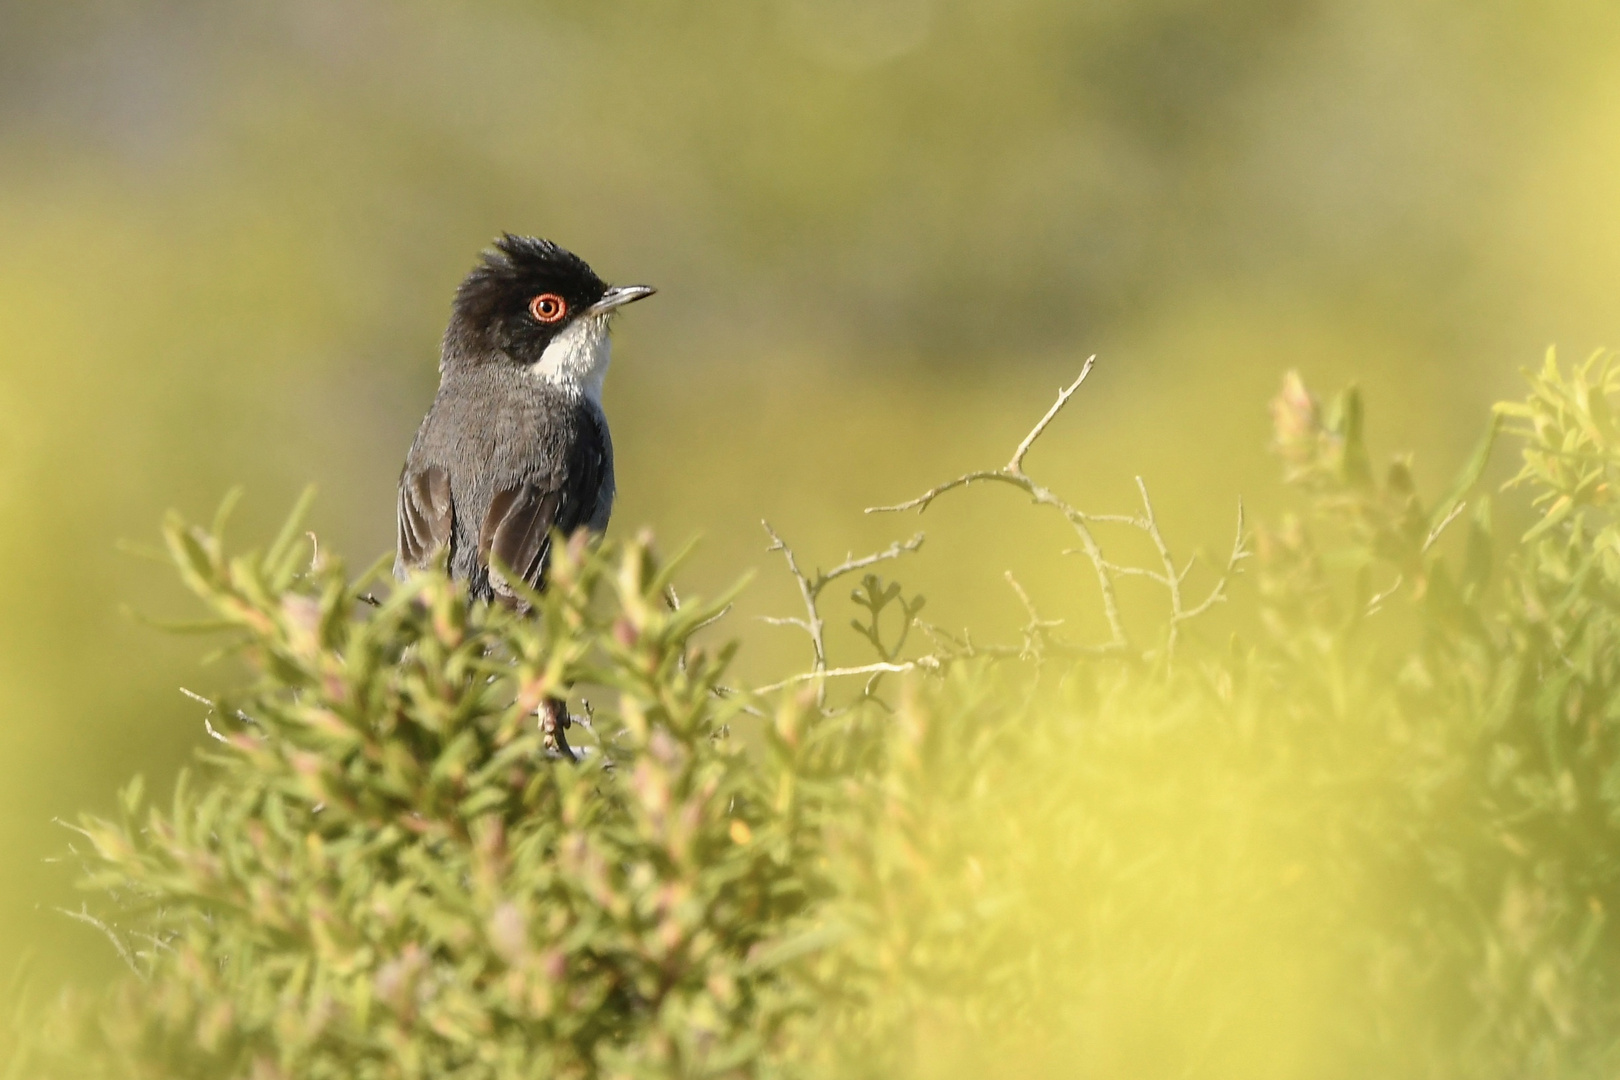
(577,358)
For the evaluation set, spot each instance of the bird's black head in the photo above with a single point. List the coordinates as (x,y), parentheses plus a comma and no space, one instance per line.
(522,296)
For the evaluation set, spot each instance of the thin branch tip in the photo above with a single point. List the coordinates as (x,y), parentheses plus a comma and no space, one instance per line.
(1016,465)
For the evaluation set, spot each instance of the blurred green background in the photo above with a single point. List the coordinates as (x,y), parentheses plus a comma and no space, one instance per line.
(884,232)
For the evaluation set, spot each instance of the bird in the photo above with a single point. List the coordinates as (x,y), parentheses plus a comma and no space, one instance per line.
(515,444)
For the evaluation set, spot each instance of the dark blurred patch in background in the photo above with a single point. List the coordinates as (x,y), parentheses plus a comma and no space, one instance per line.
(884,231)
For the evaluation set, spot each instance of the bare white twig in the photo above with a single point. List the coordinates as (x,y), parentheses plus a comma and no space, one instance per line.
(1029,605)
(1217,595)
(785,620)
(1453,515)
(1127,571)
(213,707)
(1017,462)
(1037,629)
(1012,472)
(851,564)
(124,953)
(928,663)
(1377,601)
(712,619)
(1171,578)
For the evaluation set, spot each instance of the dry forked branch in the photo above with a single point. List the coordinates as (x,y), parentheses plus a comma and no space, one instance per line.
(1013,473)
(1173,579)
(1037,630)
(810,589)
(1107,572)
(125,952)
(1040,639)
(924,663)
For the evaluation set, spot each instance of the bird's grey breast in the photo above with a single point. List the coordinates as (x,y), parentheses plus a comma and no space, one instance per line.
(521,457)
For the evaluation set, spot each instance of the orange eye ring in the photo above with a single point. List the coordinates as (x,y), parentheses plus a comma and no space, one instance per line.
(548,308)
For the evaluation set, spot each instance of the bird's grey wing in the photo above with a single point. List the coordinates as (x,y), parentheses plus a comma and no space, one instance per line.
(426,516)
(516,533)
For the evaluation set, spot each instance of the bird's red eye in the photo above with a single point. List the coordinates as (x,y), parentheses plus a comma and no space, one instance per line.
(548,307)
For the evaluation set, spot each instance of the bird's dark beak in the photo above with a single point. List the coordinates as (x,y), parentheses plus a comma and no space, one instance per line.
(618,296)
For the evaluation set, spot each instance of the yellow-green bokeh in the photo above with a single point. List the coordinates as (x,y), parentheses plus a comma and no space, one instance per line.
(884,234)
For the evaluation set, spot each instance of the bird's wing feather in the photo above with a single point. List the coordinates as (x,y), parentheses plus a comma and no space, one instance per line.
(514,538)
(426,515)
(516,533)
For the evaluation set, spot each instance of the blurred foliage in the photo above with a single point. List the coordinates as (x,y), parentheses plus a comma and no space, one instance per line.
(1373,834)
(882,232)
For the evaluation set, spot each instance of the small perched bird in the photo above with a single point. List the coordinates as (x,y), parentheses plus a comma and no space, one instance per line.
(515,443)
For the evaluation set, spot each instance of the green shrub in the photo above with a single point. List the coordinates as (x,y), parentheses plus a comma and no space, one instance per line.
(1375,832)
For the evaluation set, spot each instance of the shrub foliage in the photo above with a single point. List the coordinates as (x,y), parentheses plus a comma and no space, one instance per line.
(1372,832)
